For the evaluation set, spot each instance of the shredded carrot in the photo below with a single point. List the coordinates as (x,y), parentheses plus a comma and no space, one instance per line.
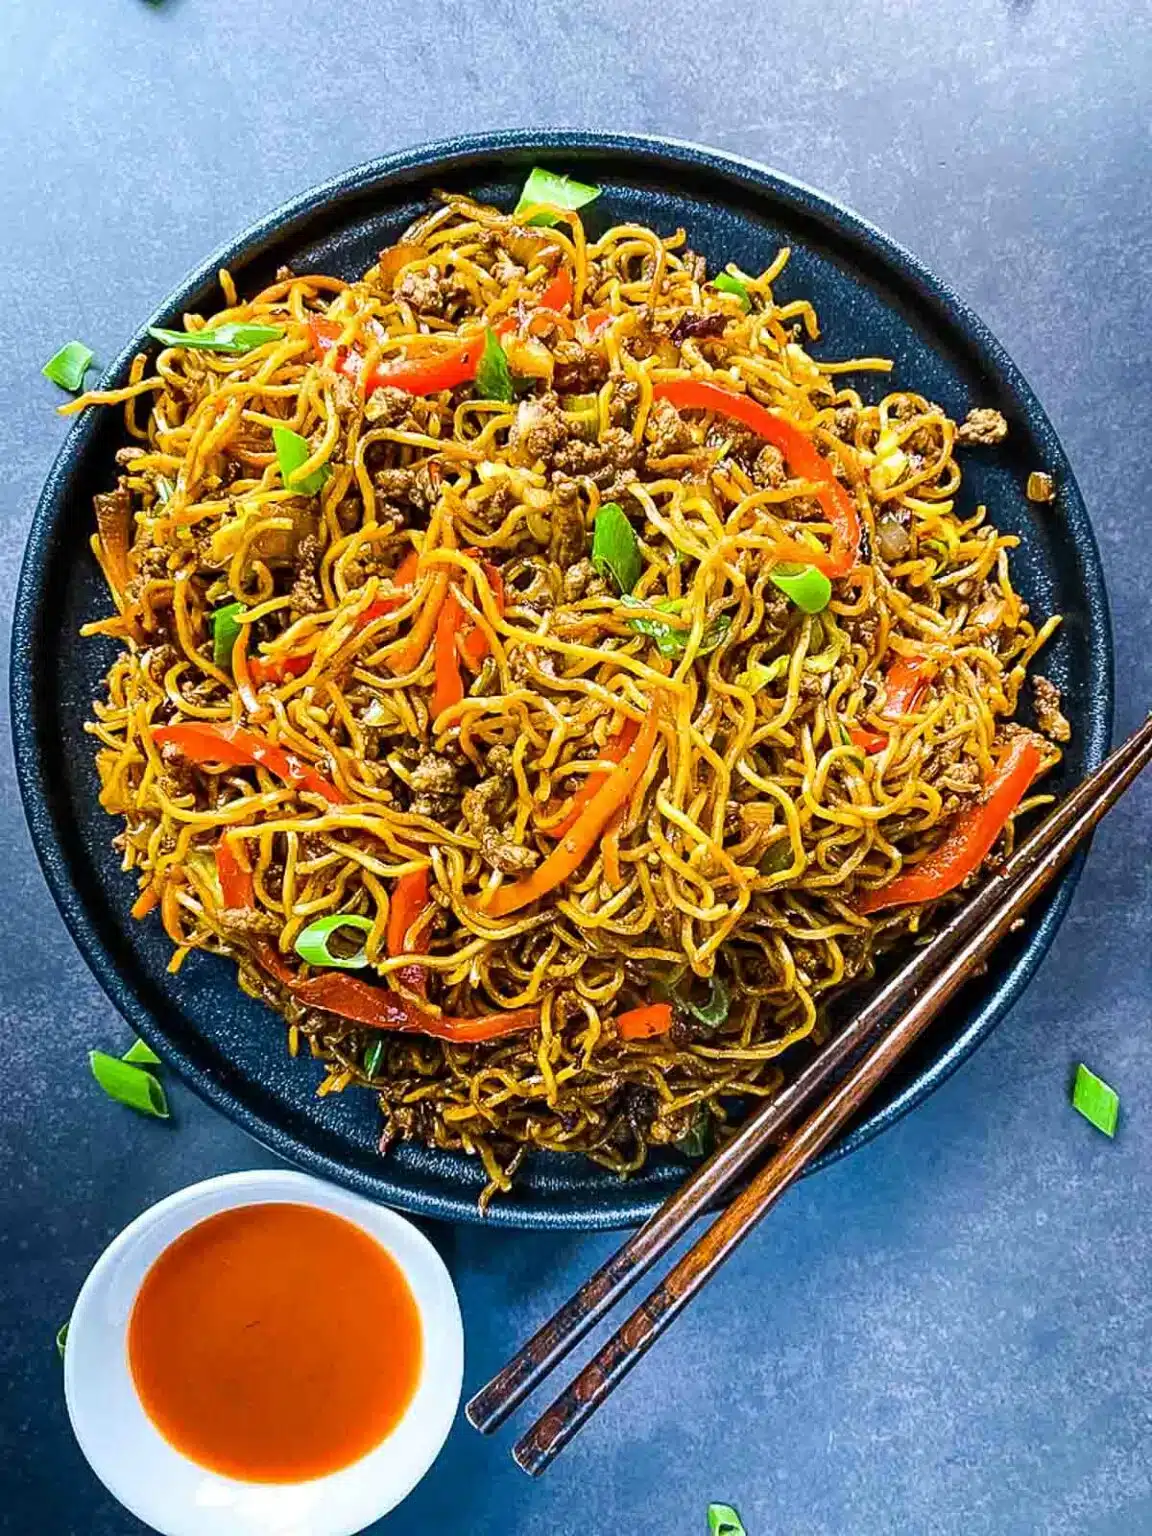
(641,1023)
(614,751)
(147,901)
(576,845)
(410,655)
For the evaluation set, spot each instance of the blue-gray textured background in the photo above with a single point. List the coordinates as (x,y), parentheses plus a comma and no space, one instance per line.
(949,1333)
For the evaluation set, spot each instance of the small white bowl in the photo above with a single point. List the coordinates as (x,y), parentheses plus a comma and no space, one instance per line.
(178,1497)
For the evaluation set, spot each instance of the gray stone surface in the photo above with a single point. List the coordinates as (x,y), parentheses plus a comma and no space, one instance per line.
(949,1333)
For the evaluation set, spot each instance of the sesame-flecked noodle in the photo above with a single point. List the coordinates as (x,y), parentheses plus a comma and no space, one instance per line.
(614,829)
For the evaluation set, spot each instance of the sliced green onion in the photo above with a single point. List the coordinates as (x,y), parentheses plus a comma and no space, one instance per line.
(68,366)
(729,284)
(493,375)
(615,547)
(724,1521)
(292,451)
(1095,1100)
(129,1085)
(761,673)
(778,858)
(312,943)
(234,337)
(697,1139)
(672,640)
(141,1054)
(225,632)
(560,191)
(715,1010)
(584,413)
(164,489)
(372,1058)
(61,1339)
(803,585)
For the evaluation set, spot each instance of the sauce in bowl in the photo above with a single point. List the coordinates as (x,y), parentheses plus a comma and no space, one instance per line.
(275,1343)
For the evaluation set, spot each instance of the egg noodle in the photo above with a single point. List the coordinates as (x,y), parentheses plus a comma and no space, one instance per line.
(612,709)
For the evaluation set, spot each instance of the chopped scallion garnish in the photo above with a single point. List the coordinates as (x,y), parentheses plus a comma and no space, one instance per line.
(493,375)
(68,366)
(697,1139)
(671,639)
(560,191)
(293,451)
(314,942)
(225,633)
(373,1057)
(128,1084)
(803,585)
(714,1011)
(761,673)
(615,547)
(234,337)
(1095,1100)
(729,284)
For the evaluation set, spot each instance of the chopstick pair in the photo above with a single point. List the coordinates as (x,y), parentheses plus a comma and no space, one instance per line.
(878,1035)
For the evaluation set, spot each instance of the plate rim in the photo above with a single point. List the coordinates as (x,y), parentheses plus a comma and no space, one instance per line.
(449,155)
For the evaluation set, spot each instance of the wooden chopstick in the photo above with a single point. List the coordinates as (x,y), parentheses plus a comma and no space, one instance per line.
(488,1409)
(553,1430)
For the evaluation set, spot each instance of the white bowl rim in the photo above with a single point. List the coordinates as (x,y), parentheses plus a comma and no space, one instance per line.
(178,1497)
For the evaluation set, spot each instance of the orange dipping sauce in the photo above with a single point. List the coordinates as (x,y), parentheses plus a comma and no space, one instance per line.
(275,1343)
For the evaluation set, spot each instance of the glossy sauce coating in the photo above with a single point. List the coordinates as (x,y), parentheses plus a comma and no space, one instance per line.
(275,1343)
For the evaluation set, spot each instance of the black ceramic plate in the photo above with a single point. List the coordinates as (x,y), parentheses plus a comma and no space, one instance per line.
(871,296)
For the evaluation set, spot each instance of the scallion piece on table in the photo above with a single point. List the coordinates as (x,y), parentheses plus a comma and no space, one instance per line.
(68,367)
(128,1084)
(141,1054)
(493,375)
(373,1057)
(314,943)
(292,452)
(225,632)
(724,1521)
(1095,1100)
(560,191)
(61,1339)
(615,547)
(729,284)
(234,337)
(803,585)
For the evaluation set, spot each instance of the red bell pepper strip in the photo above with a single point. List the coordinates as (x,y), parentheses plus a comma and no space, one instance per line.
(614,751)
(904,682)
(970,836)
(643,1023)
(579,841)
(558,294)
(275,671)
(594,320)
(448,687)
(409,899)
(417,376)
(236,885)
(203,742)
(868,741)
(802,456)
(472,641)
(375,1008)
